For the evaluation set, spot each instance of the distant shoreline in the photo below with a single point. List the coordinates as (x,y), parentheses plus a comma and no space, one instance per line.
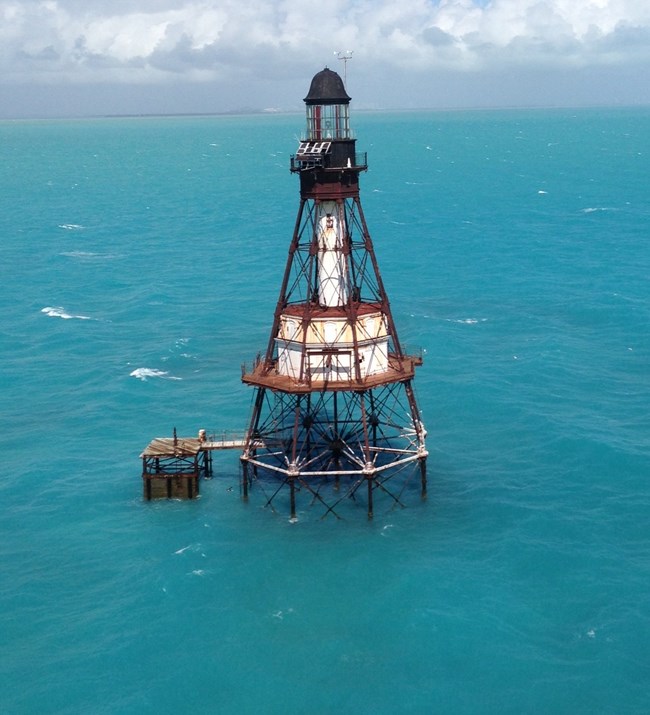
(249,112)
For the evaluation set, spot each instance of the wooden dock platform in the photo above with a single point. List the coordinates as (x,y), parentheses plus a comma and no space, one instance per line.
(173,466)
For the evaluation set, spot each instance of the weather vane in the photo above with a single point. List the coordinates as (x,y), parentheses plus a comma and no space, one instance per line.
(345,56)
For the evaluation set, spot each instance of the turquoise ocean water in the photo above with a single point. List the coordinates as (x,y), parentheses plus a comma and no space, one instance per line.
(141,260)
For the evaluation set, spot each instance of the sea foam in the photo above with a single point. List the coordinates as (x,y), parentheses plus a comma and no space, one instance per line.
(143,373)
(59,312)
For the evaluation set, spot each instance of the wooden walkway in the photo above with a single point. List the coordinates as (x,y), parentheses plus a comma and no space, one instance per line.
(224,444)
(166,447)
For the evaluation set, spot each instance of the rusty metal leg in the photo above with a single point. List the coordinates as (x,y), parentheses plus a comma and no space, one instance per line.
(370,481)
(244,479)
(292,492)
(423,476)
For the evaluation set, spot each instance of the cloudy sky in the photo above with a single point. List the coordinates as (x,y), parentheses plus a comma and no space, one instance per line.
(89,57)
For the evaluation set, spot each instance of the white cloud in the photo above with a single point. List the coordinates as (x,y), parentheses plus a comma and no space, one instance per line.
(144,41)
(45,36)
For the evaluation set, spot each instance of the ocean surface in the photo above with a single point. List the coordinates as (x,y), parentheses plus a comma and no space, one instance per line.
(141,262)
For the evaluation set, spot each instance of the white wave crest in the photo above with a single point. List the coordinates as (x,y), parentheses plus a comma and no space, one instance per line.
(71,226)
(61,313)
(190,547)
(142,373)
(466,321)
(87,256)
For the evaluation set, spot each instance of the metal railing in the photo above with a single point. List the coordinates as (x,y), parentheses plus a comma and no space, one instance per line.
(307,161)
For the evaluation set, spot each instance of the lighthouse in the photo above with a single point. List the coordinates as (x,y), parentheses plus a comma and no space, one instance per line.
(334,413)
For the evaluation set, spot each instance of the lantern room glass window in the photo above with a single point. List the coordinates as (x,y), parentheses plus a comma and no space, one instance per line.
(328,121)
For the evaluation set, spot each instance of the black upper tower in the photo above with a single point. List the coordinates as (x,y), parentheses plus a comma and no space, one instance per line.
(326,158)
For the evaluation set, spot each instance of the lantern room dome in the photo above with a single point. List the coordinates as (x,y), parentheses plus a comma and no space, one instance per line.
(327,88)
